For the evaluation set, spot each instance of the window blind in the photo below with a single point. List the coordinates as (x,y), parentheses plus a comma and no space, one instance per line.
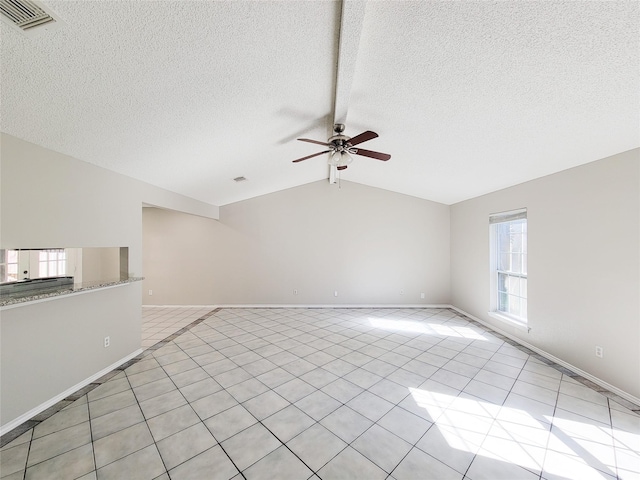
(508,216)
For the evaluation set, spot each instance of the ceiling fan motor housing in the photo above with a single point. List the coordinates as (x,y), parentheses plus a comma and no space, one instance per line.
(340,143)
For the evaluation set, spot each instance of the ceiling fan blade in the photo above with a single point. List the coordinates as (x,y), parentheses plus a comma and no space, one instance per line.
(314,141)
(368,153)
(363,137)
(310,156)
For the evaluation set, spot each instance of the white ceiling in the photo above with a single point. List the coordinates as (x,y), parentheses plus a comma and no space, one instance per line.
(467,97)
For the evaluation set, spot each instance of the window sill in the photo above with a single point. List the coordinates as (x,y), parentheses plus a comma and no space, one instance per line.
(511,321)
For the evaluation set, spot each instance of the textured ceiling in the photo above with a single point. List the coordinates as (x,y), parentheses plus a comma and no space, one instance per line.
(467,97)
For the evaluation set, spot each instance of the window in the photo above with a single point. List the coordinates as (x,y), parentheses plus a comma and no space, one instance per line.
(52,263)
(509,264)
(8,265)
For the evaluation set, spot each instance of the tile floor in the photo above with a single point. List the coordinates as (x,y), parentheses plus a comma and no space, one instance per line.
(160,322)
(334,394)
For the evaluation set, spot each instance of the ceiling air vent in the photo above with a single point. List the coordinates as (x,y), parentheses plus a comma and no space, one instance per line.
(28,16)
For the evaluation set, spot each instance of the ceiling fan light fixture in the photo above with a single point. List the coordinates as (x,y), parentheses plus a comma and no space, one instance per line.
(340,159)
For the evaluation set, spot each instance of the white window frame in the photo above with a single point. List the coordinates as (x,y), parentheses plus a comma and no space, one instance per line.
(52,263)
(8,264)
(520,321)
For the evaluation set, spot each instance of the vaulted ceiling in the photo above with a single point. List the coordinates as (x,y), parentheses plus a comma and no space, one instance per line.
(467,97)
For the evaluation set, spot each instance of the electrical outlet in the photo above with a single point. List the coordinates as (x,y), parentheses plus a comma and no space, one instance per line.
(295,291)
(401,292)
(422,295)
(599,352)
(335,294)
(107,341)
(150,292)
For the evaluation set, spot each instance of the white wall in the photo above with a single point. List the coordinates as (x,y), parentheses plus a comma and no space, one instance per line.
(49,347)
(51,200)
(584,264)
(364,242)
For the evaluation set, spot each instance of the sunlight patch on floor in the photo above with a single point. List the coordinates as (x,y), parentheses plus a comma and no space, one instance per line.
(425,328)
(560,446)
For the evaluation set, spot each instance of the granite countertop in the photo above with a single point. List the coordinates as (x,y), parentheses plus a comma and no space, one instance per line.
(24,297)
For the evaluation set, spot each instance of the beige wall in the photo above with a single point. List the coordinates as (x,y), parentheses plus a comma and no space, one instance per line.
(51,200)
(584,264)
(366,243)
(100,264)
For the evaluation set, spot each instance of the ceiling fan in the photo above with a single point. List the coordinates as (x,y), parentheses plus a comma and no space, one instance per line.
(342,147)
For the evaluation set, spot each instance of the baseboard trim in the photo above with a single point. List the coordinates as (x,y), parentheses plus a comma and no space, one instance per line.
(334,305)
(180,306)
(52,401)
(311,305)
(553,358)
